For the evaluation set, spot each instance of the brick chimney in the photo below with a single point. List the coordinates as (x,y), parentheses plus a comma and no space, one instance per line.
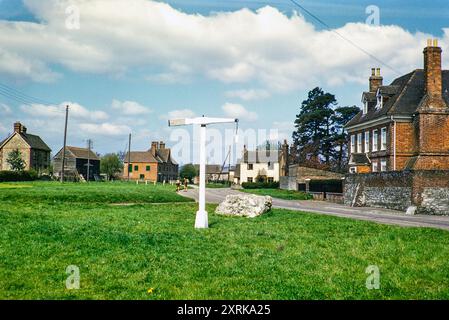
(376,80)
(154,147)
(432,69)
(162,145)
(18,127)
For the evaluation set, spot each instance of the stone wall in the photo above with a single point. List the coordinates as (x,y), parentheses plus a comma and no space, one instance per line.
(288,183)
(428,190)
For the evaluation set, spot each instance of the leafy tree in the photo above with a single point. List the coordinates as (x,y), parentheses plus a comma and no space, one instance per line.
(341,117)
(314,133)
(111,165)
(189,172)
(15,160)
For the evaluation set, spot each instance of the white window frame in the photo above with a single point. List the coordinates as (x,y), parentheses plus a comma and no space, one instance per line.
(359,143)
(383,165)
(383,139)
(380,101)
(353,144)
(365,107)
(375,139)
(367,136)
(375,166)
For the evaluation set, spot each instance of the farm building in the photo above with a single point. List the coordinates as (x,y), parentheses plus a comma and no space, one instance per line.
(76,162)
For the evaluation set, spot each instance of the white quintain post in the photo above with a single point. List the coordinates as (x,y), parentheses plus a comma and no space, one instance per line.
(201,221)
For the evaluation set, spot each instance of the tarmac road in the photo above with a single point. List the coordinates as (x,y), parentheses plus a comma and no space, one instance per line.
(378,215)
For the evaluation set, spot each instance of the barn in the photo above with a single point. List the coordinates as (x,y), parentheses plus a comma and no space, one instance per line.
(76,163)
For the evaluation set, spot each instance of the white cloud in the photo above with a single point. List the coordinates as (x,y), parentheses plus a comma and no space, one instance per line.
(4,109)
(238,111)
(76,111)
(248,95)
(179,114)
(130,108)
(105,129)
(277,51)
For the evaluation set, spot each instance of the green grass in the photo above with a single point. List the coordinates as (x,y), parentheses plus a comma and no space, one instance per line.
(122,251)
(217,185)
(95,192)
(280,194)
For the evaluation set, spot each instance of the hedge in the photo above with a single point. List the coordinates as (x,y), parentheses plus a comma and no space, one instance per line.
(260,185)
(13,176)
(333,186)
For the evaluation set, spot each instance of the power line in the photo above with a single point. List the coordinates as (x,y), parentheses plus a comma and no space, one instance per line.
(343,37)
(23,95)
(17,96)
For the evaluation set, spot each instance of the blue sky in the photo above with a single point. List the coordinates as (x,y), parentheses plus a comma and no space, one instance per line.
(132,67)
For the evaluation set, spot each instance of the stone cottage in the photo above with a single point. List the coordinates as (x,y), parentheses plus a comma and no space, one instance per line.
(35,152)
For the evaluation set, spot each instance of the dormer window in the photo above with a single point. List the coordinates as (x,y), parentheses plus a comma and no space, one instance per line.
(365,107)
(380,100)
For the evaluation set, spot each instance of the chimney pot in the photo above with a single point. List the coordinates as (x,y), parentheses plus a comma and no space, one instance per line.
(429,42)
(433,70)
(376,80)
(435,42)
(18,127)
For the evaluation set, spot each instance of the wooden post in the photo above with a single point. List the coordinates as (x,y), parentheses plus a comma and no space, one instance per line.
(65,143)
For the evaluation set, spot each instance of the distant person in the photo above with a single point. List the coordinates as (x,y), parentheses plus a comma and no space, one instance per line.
(178,185)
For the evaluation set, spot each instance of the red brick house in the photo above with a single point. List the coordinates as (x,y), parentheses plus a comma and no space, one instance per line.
(404,125)
(155,164)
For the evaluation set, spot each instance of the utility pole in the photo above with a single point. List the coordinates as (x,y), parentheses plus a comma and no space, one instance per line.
(89,147)
(129,154)
(65,143)
(229,165)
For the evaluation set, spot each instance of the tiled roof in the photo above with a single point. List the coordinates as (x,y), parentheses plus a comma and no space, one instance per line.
(83,153)
(211,168)
(261,156)
(141,157)
(35,142)
(405,93)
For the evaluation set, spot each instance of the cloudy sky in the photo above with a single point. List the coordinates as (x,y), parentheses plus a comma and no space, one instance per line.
(128,66)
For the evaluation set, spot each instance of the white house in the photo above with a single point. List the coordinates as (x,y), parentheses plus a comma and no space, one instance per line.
(267,165)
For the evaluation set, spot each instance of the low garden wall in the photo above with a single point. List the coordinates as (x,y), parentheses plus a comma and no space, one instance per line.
(428,190)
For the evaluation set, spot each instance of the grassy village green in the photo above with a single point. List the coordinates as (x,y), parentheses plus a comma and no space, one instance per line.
(127,239)
(280,194)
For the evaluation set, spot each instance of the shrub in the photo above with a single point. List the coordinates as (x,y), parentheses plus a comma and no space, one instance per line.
(260,185)
(13,176)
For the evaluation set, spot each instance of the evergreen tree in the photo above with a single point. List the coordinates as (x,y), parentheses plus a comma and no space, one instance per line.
(341,117)
(314,135)
(15,160)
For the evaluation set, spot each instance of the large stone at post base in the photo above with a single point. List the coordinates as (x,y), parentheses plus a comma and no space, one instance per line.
(245,205)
